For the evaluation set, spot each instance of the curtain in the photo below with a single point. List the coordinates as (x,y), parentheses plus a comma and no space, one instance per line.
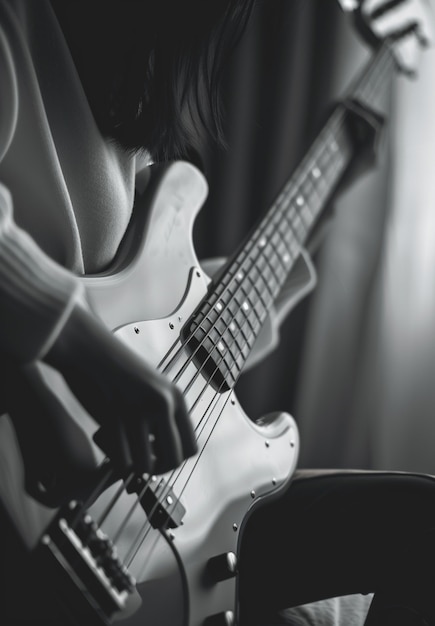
(366,396)
(295,61)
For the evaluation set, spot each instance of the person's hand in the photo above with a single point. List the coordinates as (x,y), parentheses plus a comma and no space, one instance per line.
(407,23)
(58,459)
(145,426)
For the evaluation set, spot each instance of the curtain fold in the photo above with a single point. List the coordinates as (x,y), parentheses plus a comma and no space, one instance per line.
(278,91)
(347,367)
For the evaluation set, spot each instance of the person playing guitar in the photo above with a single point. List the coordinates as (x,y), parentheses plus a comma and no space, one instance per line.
(101,104)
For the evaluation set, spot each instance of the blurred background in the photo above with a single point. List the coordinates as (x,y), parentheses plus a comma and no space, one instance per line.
(356,361)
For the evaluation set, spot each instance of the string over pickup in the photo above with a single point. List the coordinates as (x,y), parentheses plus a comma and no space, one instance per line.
(163,508)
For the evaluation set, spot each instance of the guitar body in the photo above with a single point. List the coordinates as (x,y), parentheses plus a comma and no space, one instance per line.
(240,463)
(147,297)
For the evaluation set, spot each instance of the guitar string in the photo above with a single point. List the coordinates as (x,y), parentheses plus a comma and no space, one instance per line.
(202,450)
(145,530)
(258,235)
(170,485)
(122,490)
(217,392)
(208,410)
(158,536)
(78,507)
(171,362)
(240,329)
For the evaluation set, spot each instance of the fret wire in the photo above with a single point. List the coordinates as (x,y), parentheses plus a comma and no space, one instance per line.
(235,357)
(283,250)
(246,314)
(278,267)
(273,275)
(242,345)
(241,348)
(245,290)
(305,212)
(260,296)
(221,336)
(280,245)
(284,215)
(253,262)
(322,150)
(266,287)
(272,265)
(248,296)
(384,58)
(234,341)
(290,232)
(231,360)
(297,223)
(241,325)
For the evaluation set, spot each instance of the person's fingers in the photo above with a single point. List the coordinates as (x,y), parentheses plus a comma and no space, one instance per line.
(167,446)
(171,433)
(398,18)
(58,456)
(142,441)
(185,427)
(114,442)
(407,23)
(407,53)
(349,5)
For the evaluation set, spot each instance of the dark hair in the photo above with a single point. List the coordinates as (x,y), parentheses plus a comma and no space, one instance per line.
(155,83)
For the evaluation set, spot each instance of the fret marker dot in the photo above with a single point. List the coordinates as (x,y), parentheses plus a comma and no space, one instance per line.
(239,275)
(219,306)
(286,258)
(300,201)
(245,306)
(221,347)
(316,172)
(232,327)
(262,242)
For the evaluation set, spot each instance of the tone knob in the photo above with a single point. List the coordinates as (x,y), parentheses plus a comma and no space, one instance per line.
(226,618)
(222,566)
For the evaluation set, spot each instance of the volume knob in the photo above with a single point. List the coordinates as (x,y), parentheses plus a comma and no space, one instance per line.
(220,619)
(222,566)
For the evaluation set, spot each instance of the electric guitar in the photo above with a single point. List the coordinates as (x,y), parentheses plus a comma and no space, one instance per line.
(162,550)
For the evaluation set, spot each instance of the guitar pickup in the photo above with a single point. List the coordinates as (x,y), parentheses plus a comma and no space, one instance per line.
(161,505)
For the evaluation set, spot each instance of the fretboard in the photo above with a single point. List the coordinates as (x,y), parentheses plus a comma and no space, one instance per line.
(223,330)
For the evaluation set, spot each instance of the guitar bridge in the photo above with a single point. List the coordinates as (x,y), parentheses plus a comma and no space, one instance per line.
(91,580)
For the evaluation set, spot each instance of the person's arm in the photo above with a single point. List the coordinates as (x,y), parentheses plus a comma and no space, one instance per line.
(36,294)
(43,317)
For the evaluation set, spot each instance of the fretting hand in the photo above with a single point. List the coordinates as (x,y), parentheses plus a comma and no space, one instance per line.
(409,23)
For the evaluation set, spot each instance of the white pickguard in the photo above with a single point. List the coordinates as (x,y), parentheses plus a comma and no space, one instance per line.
(147,301)
(145,298)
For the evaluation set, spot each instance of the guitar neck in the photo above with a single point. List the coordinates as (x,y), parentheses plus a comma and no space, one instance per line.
(229,320)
